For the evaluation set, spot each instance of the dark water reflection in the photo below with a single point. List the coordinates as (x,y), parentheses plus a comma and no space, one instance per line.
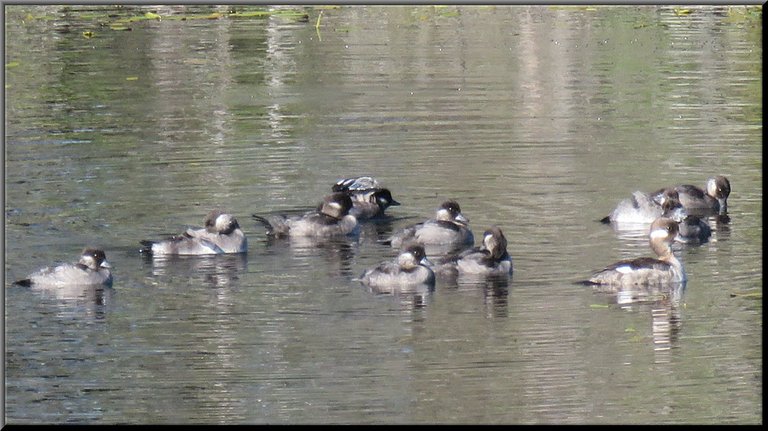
(536,119)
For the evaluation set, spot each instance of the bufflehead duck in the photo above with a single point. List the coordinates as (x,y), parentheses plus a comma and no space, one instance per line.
(645,270)
(411,268)
(92,269)
(221,234)
(642,208)
(332,218)
(355,184)
(448,228)
(368,199)
(490,258)
(372,203)
(713,198)
(693,230)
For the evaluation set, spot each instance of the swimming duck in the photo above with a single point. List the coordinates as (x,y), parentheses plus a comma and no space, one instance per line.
(92,269)
(332,218)
(448,228)
(369,200)
(714,197)
(410,268)
(221,234)
(644,208)
(665,269)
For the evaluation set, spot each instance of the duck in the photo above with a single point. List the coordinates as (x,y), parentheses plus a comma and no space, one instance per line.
(448,228)
(713,198)
(332,218)
(693,230)
(353,184)
(369,200)
(491,258)
(92,269)
(410,268)
(371,204)
(647,271)
(221,235)
(644,208)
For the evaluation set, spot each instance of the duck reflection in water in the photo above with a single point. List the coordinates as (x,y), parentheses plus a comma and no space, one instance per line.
(666,321)
(494,289)
(212,270)
(90,302)
(663,303)
(337,253)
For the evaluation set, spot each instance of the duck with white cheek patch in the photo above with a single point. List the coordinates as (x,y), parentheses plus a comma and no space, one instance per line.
(92,269)
(221,235)
(491,258)
(331,219)
(647,271)
(712,199)
(449,228)
(410,268)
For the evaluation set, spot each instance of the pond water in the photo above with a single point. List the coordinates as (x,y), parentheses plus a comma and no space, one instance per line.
(536,119)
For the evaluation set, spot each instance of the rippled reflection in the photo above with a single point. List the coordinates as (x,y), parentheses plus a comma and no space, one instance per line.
(77,302)
(662,302)
(409,298)
(214,271)
(536,119)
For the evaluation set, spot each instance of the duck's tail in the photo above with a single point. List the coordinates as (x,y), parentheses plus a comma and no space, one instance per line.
(146,246)
(276,225)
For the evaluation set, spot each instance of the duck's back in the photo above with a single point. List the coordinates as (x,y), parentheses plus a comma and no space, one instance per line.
(68,274)
(640,271)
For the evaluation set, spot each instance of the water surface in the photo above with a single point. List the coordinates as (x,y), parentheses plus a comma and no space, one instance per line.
(536,119)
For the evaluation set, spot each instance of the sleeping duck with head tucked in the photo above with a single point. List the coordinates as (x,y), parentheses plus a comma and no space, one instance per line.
(221,235)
